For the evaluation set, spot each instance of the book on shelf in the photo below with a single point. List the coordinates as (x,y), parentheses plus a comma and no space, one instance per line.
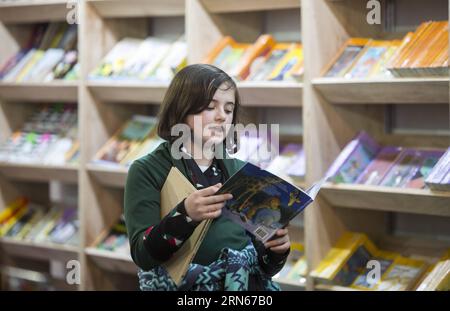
(424,52)
(44,52)
(152,59)
(379,166)
(363,161)
(295,268)
(285,164)
(288,64)
(410,169)
(346,264)
(126,140)
(367,60)
(263,60)
(262,67)
(439,177)
(48,136)
(353,159)
(23,220)
(227,54)
(262,202)
(117,239)
(421,53)
(345,57)
(438,276)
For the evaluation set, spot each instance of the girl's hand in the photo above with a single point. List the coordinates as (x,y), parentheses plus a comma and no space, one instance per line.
(280,243)
(203,204)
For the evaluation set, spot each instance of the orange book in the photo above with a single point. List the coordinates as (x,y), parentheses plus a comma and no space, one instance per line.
(435,50)
(260,48)
(417,45)
(225,41)
(428,45)
(405,41)
(409,44)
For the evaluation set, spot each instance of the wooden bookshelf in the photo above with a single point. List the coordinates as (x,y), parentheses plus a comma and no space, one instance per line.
(40,172)
(327,124)
(417,201)
(326,26)
(55,91)
(33,11)
(383,91)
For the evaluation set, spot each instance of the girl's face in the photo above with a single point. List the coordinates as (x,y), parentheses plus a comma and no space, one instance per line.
(215,117)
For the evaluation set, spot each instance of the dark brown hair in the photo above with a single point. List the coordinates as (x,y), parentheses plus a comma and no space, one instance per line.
(190,92)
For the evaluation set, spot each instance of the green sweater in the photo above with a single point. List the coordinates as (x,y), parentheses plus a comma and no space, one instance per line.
(142,208)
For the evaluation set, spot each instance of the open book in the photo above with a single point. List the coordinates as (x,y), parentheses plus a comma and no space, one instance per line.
(262,202)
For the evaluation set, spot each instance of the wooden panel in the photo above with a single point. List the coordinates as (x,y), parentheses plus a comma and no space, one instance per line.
(56,91)
(34,11)
(44,173)
(271,94)
(109,176)
(112,261)
(395,91)
(136,8)
(133,92)
(42,251)
(418,201)
(220,6)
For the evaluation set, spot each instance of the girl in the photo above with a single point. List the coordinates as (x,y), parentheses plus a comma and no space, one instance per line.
(228,258)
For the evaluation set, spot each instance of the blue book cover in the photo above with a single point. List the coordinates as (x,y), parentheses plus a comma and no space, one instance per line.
(262,202)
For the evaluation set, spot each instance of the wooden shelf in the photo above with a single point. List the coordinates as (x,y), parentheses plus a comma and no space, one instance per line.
(55,91)
(386,91)
(271,94)
(229,6)
(112,261)
(417,201)
(109,176)
(33,11)
(41,251)
(138,8)
(287,285)
(41,173)
(129,92)
(253,94)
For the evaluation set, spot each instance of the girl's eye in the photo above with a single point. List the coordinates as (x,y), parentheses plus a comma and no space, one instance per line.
(229,111)
(209,108)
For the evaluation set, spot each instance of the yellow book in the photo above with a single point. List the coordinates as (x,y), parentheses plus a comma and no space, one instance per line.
(380,68)
(12,220)
(385,259)
(401,275)
(438,276)
(38,54)
(287,63)
(338,265)
(11,209)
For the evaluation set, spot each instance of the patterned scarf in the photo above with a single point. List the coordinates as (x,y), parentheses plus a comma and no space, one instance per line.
(233,271)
